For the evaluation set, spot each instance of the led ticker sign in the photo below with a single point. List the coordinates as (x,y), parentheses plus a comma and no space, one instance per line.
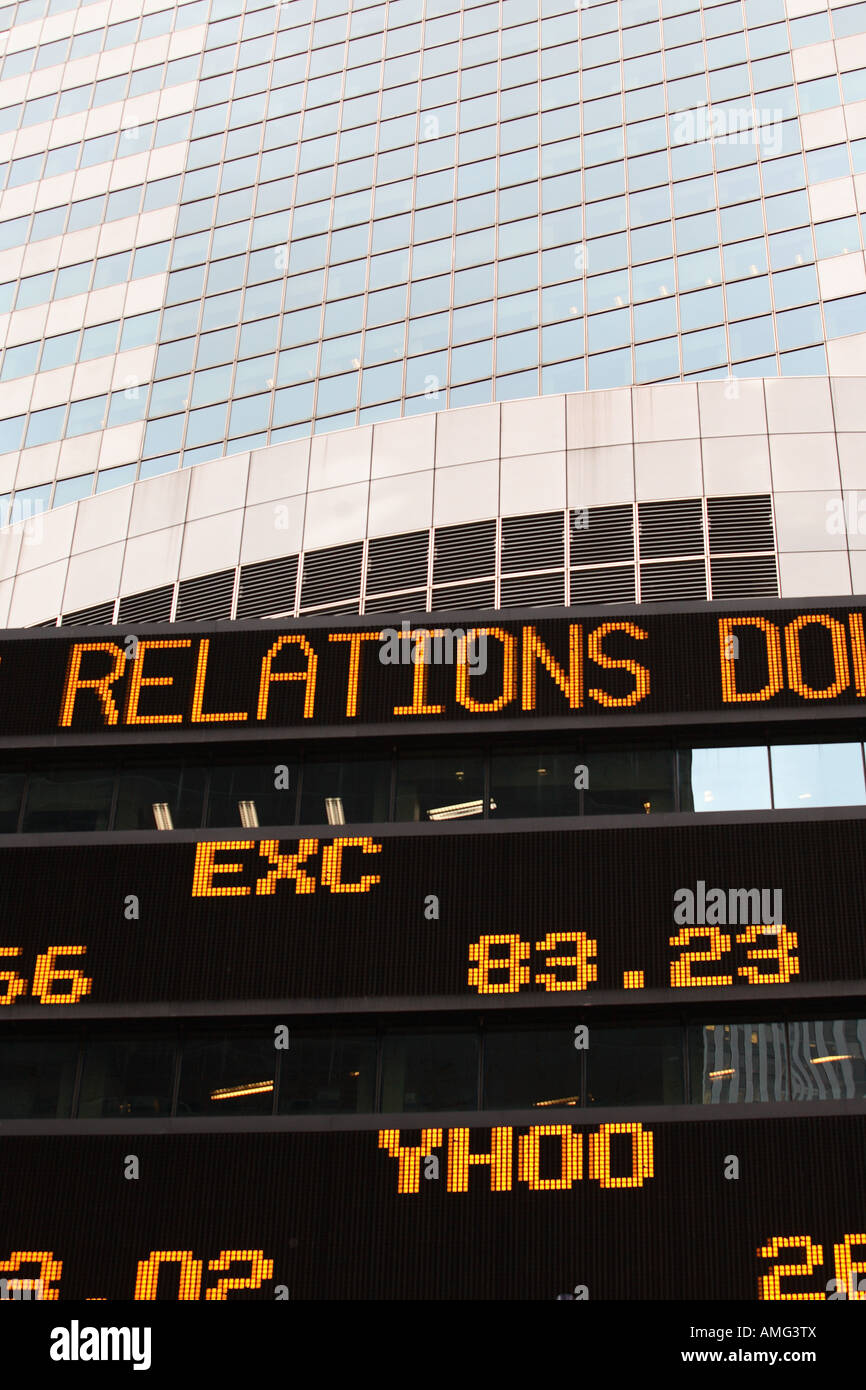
(563,915)
(317,678)
(619,1210)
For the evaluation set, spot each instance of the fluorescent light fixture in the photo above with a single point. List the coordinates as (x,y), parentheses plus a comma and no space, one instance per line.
(162,815)
(561,1100)
(456,812)
(249,1088)
(842,1057)
(249,814)
(334,810)
(716,1075)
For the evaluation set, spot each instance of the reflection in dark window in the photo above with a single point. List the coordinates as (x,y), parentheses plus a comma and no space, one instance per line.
(127,1077)
(620,782)
(338,793)
(434,1071)
(535,784)
(11,789)
(73,799)
(36,1078)
(254,795)
(230,1074)
(635,1066)
(157,798)
(733,1062)
(439,788)
(828,1059)
(531,1067)
(327,1075)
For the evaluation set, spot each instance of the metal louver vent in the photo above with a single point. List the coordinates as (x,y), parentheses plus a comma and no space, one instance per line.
(49,622)
(412,601)
(331,576)
(600,534)
(464,552)
(532,542)
(530,590)
(611,584)
(268,588)
(684,579)
(152,606)
(352,605)
(397,562)
(205,599)
(465,596)
(744,576)
(740,523)
(670,528)
(84,617)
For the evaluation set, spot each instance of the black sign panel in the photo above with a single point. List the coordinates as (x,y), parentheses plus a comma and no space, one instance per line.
(315,678)
(631,1210)
(695,909)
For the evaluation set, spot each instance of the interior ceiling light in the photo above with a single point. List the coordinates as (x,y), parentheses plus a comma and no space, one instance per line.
(842,1057)
(562,1100)
(248,1088)
(334,810)
(249,814)
(162,815)
(462,808)
(716,1075)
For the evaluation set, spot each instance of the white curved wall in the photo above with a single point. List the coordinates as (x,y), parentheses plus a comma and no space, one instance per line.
(802,439)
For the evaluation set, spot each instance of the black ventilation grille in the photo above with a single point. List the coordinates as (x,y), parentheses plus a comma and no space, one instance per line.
(600,546)
(331,576)
(533,591)
(610,585)
(465,596)
(152,606)
(686,579)
(464,552)
(413,601)
(85,617)
(746,576)
(670,528)
(268,588)
(532,543)
(397,562)
(740,523)
(206,599)
(601,534)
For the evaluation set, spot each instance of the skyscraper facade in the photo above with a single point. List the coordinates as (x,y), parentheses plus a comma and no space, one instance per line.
(250,240)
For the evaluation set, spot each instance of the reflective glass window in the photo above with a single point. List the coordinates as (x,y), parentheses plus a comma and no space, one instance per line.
(432,1071)
(733,1063)
(327,1075)
(823,774)
(631,1066)
(131,1077)
(724,779)
(228,1074)
(828,1059)
(529,1067)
